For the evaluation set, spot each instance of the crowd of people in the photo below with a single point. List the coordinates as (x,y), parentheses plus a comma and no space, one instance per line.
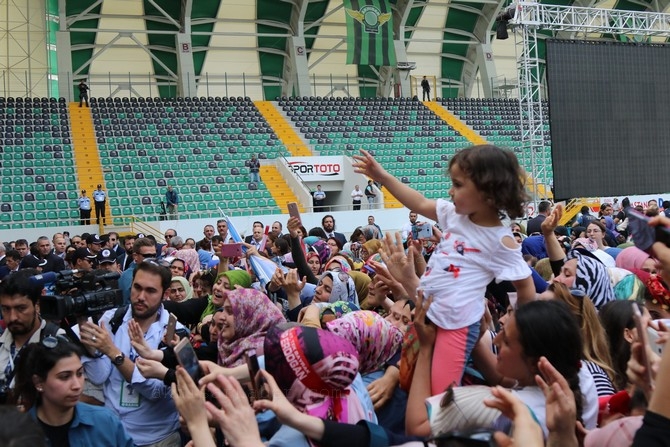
(479,330)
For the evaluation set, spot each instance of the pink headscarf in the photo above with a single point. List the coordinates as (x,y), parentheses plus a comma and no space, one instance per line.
(619,433)
(191,258)
(631,258)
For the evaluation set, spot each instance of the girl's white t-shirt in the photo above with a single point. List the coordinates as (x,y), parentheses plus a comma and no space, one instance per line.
(465,261)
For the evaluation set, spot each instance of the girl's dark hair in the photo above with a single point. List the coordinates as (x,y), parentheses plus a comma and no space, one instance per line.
(318,232)
(282,245)
(357,233)
(496,174)
(540,325)
(37,360)
(616,316)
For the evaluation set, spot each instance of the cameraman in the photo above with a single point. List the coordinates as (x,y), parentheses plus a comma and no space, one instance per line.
(20,310)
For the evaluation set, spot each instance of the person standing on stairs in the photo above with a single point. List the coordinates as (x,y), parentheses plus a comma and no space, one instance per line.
(100,198)
(83,92)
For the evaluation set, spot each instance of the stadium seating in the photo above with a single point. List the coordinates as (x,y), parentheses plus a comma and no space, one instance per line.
(404,135)
(36,161)
(497,120)
(200,145)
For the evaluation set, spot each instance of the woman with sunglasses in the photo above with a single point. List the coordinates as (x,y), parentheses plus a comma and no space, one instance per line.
(49,383)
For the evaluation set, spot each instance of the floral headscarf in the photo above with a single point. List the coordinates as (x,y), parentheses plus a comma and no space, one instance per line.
(318,378)
(254,315)
(344,288)
(338,308)
(190,258)
(375,339)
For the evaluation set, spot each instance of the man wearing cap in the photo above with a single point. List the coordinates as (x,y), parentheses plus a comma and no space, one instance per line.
(82,259)
(84,209)
(107,260)
(99,197)
(94,243)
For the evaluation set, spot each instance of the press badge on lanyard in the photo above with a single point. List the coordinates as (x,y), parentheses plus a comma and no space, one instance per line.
(129,397)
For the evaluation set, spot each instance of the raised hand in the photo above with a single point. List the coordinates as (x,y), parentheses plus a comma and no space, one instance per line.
(366,164)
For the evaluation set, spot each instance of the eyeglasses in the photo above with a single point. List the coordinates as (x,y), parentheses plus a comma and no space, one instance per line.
(168,236)
(147,255)
(52,341)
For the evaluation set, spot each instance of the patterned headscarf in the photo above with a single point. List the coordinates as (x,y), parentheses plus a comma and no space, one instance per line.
(317,379)
(362,283)
(338,308)
(190,258)
(341,261)
(375,339)
(344,288)
(254,315)
(592,277)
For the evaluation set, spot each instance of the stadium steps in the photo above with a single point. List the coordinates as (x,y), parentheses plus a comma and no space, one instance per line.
(88,166)
(474,138)
(283,129)
(278,188)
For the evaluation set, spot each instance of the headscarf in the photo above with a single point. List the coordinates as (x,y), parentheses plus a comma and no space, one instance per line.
(254,315)
(372,246)
(592,277)
(341,261)
(235,277)
(322,249)
(184,283)
(338,308)
(190,258)
(362,283)
(657,289)
(317,379)
(375,339)
(585,242)
(631,258)
(344,288)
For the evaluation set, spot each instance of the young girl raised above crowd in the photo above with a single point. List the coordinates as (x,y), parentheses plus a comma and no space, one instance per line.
(474,249)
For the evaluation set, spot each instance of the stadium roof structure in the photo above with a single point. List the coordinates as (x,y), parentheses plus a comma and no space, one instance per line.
(261,49)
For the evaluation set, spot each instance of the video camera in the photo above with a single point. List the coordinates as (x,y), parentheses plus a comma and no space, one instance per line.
(78,296)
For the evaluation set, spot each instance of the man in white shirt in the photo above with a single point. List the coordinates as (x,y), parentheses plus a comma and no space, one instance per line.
(356,197)
(318,198)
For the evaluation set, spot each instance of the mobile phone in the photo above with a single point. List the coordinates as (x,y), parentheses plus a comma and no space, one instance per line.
(231,250)
(468,438)
(188,359)
(652,335)
(293,209)
(256,378)
(642,336)
(422,231)
(644,235)
(171,328)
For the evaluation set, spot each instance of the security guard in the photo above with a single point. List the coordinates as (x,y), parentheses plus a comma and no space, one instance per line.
(99,197)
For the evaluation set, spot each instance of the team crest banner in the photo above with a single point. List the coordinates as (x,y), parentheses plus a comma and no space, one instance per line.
(369,32)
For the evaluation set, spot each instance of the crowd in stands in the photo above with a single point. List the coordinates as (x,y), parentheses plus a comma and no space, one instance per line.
(483,330)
